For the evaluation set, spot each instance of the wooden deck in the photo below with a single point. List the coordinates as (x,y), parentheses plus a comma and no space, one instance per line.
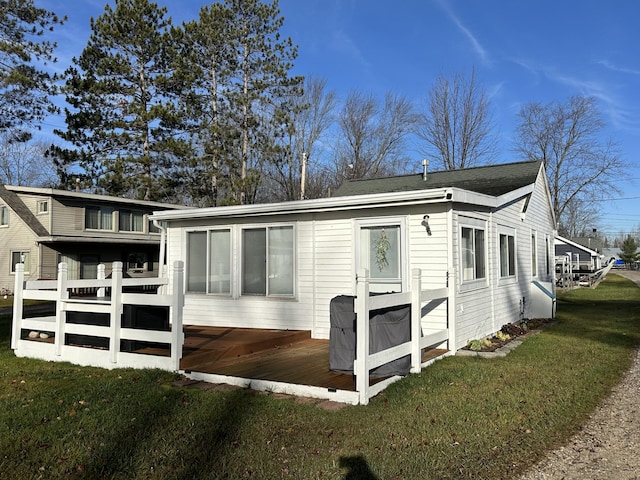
(289,356)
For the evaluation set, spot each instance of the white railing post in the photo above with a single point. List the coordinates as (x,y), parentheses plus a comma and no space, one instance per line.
(18,286)
(177,304)
(63,294)
(416,319)
(101,276)
(451,311)
(361,363)
(115,314)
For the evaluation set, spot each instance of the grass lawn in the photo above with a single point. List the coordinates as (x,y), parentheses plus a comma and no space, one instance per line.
(463,417)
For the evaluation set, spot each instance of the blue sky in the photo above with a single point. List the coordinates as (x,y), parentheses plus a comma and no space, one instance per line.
(522,51)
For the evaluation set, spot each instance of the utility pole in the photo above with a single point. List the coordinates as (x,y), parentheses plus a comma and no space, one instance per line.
(303,175)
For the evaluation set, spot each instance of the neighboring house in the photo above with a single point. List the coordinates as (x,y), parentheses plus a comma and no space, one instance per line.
(583,259)
(41,227)
(486,232)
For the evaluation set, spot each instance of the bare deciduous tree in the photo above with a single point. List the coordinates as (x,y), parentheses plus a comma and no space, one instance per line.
(309,118)
(457,125)
(25,163)
(372,136)
(581,167)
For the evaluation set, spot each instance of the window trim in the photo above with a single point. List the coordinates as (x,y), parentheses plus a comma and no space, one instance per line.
(236,245)
(12,266)
(4,215)
(131,222)
(100,209)
(475,225)
(534,254)
(511,252)
(396,221)
(39,208)
(240,267)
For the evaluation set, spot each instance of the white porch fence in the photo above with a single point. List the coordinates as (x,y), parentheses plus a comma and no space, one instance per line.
(112,306)
(423,335)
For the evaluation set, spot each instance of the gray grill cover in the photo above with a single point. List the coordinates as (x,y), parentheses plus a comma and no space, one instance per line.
(387,328)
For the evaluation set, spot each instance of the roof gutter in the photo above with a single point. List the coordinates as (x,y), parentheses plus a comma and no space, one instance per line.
(353,202)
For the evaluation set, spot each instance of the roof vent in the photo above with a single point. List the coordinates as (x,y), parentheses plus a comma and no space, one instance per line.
(425,167)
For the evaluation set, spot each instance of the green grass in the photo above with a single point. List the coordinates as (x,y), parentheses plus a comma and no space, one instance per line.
(463,417)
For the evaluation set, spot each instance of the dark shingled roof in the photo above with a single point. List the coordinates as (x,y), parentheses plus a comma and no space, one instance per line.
(17,205)
(492,180)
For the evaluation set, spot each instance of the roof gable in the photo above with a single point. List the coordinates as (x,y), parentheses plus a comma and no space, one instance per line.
(17,205)
(494,180)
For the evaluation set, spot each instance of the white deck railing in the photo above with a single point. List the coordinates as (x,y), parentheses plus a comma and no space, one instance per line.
(423,335)
(57,327)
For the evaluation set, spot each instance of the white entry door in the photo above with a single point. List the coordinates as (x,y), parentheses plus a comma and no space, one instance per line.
(381,252)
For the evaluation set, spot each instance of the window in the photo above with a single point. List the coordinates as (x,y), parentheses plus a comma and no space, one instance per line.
(4,215)
(507,255)
(23,257)
(131,221)
(196,264)
(534,259)
(98,218)
(473,254)
(380,253)
(43,207)
(267,261)
(546,251)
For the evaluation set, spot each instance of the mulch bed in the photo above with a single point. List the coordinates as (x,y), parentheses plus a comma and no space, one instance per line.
(513,330)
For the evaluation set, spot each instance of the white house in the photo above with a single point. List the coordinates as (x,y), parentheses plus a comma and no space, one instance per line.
(486,232)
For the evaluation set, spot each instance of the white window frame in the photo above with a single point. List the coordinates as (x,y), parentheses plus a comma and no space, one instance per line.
(236,240)
(240,270)
(101,209)
(131,222)
(4,216)
(534,254)
(27,254)
(402,245)
(43,207)
(474,225)
(512,254)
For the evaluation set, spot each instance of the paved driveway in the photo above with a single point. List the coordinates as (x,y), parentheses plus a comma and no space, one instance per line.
(633,275)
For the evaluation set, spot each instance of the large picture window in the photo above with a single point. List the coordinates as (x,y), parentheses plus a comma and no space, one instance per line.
(98,218)
(473,253)
(267,261)
(507,255)
(266,264)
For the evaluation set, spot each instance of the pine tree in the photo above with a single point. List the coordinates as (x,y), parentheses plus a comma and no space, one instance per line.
(24,87)
(124,121)
(629,252)
(240,68)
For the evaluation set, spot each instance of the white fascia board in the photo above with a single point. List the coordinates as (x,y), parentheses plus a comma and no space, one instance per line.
(355,202)
(98,239)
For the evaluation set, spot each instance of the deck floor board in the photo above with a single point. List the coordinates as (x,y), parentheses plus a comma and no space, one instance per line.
(284,356)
